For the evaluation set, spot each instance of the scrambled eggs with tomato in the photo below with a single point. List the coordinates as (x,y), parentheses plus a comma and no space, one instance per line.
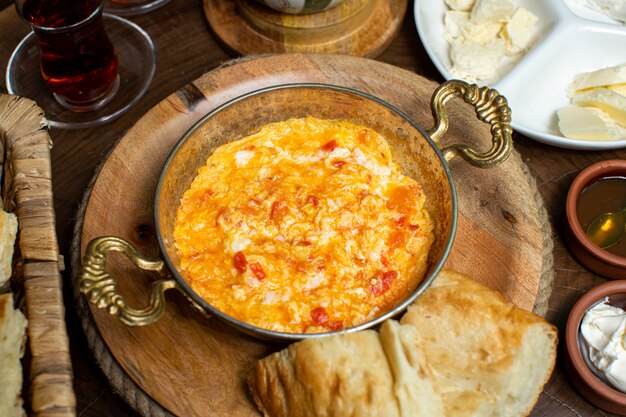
(307,226)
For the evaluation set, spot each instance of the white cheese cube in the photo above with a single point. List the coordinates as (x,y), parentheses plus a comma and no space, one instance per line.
(483,33)
(473,61)
(459,25)
(454,24)
(519,31)
(492,11)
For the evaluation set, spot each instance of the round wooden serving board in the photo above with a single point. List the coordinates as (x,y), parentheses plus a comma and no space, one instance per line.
(354,27)
(192,365)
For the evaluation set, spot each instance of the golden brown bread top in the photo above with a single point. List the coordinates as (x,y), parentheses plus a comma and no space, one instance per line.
(458,304)
(475,340)
(331,376)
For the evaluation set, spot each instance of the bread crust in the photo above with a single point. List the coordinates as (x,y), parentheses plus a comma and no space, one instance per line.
(8,233)
(491,335)
(12,330)
(330,377)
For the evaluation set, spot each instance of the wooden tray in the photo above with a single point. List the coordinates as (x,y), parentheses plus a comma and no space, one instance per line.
(27,191)
(191,365)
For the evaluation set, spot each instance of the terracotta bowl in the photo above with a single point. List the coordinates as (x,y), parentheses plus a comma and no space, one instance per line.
(582,377)
(584,250)
(418,153)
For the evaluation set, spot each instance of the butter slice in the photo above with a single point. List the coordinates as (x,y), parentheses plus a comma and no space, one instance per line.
(492,11)
(588,123)
(620,88)
(519,31)
(462,5)
(474,61)
(600,78)
(612,102)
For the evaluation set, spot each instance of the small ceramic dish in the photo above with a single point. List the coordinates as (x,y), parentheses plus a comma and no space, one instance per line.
(584,250)
(580,373)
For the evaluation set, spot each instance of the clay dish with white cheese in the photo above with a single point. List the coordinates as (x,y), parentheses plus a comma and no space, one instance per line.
(579,370)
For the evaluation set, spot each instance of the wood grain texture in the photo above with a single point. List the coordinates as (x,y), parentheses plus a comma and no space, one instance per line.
(355,27)
(182,345)
(28,174)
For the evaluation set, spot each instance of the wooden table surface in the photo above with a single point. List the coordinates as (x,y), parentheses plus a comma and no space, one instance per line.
(185,51)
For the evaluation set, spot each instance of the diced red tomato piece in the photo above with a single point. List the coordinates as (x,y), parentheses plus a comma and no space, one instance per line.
(208,193)
(383,282)
(257,270)
(319,315)
(278,210)
(240,262)
(339,164)
(389,277)
(335,325)
(312,200)
(330,146)
(384,261)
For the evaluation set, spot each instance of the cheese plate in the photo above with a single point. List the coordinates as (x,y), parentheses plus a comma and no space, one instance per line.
(569,39)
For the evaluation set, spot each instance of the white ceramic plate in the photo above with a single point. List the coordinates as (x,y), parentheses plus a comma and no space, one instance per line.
(571,39)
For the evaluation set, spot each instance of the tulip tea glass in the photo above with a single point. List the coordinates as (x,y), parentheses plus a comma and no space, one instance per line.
(78,61)
(83,67)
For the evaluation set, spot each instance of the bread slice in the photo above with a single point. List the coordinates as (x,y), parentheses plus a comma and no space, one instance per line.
(413,382)
(489,358)
(359,374)
(8,232)
(12,328)
(332,377)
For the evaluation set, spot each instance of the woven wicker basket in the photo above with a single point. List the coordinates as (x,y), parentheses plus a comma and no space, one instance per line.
(26,179)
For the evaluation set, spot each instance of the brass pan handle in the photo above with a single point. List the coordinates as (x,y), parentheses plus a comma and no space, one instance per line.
(100,287)
(491,108)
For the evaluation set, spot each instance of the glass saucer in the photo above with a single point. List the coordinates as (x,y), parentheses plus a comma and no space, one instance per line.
(137,64)
(132,7)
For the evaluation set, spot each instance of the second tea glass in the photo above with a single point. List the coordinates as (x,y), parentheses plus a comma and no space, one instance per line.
(136,65)
(78,61)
